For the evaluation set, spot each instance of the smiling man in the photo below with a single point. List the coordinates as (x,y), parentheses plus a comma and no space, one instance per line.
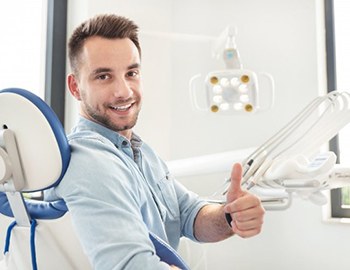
(116,188)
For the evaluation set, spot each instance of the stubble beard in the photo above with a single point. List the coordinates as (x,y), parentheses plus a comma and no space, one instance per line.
(106,120)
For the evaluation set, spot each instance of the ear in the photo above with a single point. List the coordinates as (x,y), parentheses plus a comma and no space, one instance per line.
(73,86)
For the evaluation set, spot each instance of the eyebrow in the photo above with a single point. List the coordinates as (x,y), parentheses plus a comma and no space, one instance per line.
(136,65)
(103,70)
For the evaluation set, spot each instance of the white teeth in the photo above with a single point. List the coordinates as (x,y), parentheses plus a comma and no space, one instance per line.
(121,108)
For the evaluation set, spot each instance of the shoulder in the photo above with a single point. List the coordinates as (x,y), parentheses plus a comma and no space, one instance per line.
(88,137)
(96,164)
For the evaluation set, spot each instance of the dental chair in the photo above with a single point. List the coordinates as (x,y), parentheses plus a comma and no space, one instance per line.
(34,155)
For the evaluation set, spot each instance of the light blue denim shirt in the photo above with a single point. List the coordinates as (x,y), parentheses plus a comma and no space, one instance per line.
(117,191)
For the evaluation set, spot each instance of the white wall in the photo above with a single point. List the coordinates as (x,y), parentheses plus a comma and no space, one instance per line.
(282,37)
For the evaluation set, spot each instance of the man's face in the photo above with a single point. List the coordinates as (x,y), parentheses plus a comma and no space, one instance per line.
(108,83)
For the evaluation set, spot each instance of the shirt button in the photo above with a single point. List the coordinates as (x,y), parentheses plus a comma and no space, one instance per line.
(124,143)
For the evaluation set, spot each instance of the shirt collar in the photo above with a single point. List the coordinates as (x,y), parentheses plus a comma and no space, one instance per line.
(118,139)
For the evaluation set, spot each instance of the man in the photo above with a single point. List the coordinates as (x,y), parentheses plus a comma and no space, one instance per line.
(116,188)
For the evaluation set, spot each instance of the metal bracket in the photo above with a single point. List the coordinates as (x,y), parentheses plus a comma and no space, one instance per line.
(12,180)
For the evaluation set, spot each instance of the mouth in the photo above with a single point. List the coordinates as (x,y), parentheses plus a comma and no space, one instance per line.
(123,108)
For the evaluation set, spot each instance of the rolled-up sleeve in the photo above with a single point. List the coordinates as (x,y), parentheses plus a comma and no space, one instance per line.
(190,204)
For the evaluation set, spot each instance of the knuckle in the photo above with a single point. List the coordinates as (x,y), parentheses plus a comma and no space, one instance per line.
(257,200)
(262,211)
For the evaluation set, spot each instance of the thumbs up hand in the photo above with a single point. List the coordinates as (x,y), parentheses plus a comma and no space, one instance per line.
(244,208)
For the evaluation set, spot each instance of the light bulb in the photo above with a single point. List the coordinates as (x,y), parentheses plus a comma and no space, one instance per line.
(217,99)
(224,82)
(217,89)
(244,98)
(224,106)
(243,88)
(238,106)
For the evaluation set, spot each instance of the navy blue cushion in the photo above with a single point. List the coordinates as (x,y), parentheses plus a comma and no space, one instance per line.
(36,209)
(166,253)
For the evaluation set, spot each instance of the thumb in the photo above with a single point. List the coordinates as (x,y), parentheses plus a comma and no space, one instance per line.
(235,191)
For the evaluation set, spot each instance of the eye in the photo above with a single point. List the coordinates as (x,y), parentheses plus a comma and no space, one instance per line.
(133,73)
(103,77)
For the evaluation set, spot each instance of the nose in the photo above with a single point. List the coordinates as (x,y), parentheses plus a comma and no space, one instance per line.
(122,89)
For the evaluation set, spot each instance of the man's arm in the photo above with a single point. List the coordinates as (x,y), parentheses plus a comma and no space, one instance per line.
(245,209)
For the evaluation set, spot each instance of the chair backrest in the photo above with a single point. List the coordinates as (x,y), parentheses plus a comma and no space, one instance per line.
(44,155)
(34,156)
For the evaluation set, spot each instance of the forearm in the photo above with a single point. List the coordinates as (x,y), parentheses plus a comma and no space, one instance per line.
(210,224)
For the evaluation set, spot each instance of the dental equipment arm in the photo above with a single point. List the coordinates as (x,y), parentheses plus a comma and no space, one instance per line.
(304,135)
(290,161)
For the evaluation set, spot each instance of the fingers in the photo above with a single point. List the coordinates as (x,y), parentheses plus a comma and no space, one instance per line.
(245,233)
(236,177)
(235,190)
(246,227)
(246,201)
(247,215)
(255,213)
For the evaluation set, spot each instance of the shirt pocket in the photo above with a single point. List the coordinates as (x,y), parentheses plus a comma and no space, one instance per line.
(168,196)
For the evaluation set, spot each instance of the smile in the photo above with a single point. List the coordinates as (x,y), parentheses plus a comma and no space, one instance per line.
(121,108)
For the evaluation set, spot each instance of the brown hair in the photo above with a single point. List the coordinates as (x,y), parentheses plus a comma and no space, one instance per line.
(107,26)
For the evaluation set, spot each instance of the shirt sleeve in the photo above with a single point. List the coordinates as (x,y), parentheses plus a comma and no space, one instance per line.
(190,204)
(104,203)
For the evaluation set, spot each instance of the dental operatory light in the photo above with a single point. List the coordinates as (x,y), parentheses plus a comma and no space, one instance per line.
(233,89)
